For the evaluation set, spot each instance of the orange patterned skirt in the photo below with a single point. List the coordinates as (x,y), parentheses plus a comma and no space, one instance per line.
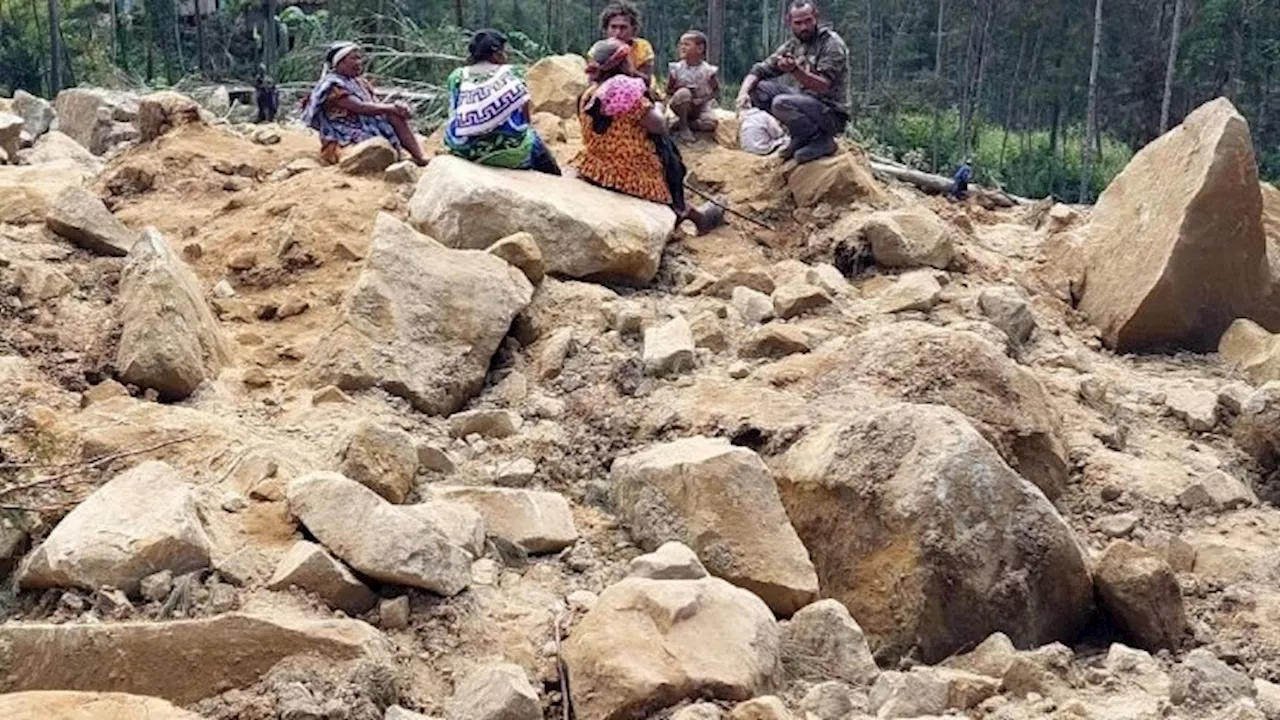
(623,157)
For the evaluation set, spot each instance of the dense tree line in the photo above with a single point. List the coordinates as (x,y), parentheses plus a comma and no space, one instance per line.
(1005,81)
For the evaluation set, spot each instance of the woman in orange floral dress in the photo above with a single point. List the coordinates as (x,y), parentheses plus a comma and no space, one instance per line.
(625,143)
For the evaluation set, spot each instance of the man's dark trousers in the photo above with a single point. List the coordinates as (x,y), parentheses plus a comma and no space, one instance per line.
(805,117)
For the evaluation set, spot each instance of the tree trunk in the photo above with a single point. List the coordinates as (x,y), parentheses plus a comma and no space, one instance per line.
(765,23)
(55,48)
(269,34)
(715,31)
(1091,123)
(115,32)
(1171,66)
(975,99)
(871,41)
(459,21)
(199,38)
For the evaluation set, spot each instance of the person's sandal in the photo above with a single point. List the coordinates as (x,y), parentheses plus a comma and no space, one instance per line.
(712,218)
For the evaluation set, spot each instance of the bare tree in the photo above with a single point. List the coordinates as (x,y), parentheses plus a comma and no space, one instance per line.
(269,34)
(937,83)
(715,31)
(1171,66)
(55,48)
(1091,124)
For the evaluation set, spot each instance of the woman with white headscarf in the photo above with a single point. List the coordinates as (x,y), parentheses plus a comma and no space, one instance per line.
(344,109)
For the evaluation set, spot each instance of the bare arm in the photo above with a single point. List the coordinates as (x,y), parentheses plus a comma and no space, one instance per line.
(671,84)
(811,81)
(748,84)
(356,106)
(653,121)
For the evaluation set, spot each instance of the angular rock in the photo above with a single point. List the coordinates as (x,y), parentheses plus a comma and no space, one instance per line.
(671,561)
(28,193)
(70,705)
(459,522)
(828,701)
(1248,347)
(55,147)
(1009,310)
(517,473)
(1139,666)
(916,290)
(161,112)
(393,613)
(485,423)
(522,251)
(908,695)
(753,306)
(1006,403)
(909,238)
(495,692)
(722,502)
(1141,592)
(669,348)
(556,83)
(768,707)
(376,538)
(37,113)
(537,521)
(1197,409)
(88,116)
(169,341)
(752,278)
(381,458)
(648,644)
(1174,258)
(80,217)
(368,158)
(179,660)
(10,134)
(436,459)
(583,231)
(422,321)
(993,657)
(1217,490)
(307,566)
(890,510)
(14,536)
(1204,680)
(823,642)
(141,522)
(838,180)
(797,298)
(775,340)
(404,172)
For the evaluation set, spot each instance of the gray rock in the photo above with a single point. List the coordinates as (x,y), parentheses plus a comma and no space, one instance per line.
(81,218)
(671,561)
(522,251)
(393,613)
(37,113)
(395,712)
(517,473)
(753,306)
(1197,409)
(775,340)
(368,158)
(537,521)
(495,692)
(669,348)
(10,134)
(436,459)
(830,700)
(485,423)
(797,298)
(1217,491)
(916,290)
(1010,311)
(307,566)
(381,458)
(822,641)
(404,172)
(1204,680)
(459,522)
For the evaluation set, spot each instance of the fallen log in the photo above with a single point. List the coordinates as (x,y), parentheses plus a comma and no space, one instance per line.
(941,185)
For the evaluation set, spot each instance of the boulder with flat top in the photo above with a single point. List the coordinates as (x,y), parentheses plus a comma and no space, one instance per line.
(583,232)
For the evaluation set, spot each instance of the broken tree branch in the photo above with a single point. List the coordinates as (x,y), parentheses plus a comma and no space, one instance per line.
(941,185)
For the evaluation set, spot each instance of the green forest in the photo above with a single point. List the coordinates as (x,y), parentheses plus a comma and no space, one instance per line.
(1010,83)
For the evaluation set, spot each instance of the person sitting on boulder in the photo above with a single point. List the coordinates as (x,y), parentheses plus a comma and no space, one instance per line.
(692,85)
(814,103)
(626,147)
(344,109)
(621,21)
(489,110)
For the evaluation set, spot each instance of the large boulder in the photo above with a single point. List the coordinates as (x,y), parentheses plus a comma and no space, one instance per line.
(54,147)
(838,180)
(80,217)
(422,321)
(910,237)
(583,231)
(10,133)
(140,523)
(919,362)
(918,527)
(1139,590)
(71,705)
(378,539)
(37,113)
(160,112)
(181,661)
(722,502)
(648,644)
(1176,246)
(90,115)
(307,566)
(556,83)
(28,192)
(169,341)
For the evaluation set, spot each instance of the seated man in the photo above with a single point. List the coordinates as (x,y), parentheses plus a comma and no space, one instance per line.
(345,111)
(814,106)
(692,85)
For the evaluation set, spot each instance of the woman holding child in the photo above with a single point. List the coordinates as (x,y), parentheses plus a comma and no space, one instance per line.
(626,147)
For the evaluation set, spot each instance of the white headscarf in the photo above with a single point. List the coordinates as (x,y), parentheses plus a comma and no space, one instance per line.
(336,54)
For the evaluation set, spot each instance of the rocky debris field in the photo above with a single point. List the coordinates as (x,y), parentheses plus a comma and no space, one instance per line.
(361,442)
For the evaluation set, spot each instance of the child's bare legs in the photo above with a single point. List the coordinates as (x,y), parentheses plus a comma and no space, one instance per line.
(682,105)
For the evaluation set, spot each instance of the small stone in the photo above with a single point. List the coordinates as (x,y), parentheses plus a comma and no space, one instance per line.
(761,708)
(671,561)
(382,458)
(243,260)
(395,712)
(669,348)
(797,298)
(516,474)
(436,459)
(192,251)
(1010,311)
(739,370)
(916,290)
(255,377)
(309,567)
(1140,591)
(329,394)
(754,278)
(708,333)
(1118,525)
(582,600)
(393,614)
(112,603)
(1111,493)
(1202,679)
(224,290)
(234,503)
(823,642)
(1197,409)
(401,173)
(522,251)
(775,340)
(292,307)
(368,158)
(104,391)
(555,351)
(485,423)
(1218,491)
(830,700)
(72,602)
(495,692)
(699,711)
(156,588)
(753,306)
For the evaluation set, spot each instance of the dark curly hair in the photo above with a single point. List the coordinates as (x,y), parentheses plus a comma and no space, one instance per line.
(623,8)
